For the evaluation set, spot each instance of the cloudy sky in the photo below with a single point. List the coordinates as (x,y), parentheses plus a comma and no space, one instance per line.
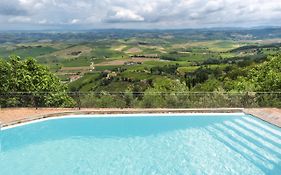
(90,14)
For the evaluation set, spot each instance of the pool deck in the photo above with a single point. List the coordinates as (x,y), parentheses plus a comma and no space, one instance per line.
(13,116)
(270,115)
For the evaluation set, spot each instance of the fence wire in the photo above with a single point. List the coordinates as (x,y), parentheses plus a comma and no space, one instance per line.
(140,99)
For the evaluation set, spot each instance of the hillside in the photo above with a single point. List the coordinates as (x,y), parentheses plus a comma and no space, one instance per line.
(135,63)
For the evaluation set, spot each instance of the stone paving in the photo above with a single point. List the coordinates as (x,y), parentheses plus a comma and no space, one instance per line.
(270,115)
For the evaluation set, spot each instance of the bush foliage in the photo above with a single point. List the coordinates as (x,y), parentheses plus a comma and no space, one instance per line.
(27,83)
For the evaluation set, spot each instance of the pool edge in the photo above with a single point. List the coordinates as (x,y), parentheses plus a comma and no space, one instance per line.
(260,113)
(121,111)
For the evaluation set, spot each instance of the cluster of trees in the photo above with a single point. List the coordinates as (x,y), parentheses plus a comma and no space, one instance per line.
(167,69)
(27,83)
(240,61)
(265,77)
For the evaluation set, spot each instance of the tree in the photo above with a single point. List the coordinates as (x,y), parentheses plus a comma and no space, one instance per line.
(27,83)
(265,77)
(165,92)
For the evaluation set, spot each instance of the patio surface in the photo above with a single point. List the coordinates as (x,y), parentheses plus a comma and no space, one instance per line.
(270,115)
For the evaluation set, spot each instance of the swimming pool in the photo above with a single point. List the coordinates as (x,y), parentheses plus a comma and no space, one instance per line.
(142,144)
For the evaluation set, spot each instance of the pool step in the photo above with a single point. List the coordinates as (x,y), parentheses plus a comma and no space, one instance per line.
(260,132)
(264,126)
(241,150)
(254,147)
(252,136)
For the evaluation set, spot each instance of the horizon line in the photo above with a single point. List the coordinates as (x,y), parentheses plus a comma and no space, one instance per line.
(143,29)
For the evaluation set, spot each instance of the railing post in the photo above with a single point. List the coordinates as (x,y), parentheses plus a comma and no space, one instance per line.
(78,100)
(247,99)
(35,100)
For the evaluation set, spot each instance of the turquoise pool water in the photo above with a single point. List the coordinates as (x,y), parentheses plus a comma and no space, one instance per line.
(233,144)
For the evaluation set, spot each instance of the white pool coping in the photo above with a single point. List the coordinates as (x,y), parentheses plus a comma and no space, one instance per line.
(121,115)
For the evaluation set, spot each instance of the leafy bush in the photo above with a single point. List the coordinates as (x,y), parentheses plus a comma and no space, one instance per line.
(26,83)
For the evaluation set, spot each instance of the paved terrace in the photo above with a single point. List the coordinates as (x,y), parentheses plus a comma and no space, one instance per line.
(270,115)
(13,116)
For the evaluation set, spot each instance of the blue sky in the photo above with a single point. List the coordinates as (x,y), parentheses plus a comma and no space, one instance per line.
(139,14)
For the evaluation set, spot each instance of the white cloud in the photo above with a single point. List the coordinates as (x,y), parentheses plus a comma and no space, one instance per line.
(214,5)
(123,15)
(20,19)
(148,13)
(74,21)
(43,21)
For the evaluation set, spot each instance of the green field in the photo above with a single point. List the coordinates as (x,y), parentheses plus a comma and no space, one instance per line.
(130,60)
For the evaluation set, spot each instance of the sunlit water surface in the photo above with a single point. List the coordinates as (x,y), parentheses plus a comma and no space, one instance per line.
(234,144)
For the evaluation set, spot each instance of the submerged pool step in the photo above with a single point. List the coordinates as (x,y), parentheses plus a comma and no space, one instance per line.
(254,147)
(260,132)
(254,137)
(264,126)
(241,150)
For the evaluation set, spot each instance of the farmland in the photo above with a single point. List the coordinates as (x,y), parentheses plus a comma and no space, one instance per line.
(138,61)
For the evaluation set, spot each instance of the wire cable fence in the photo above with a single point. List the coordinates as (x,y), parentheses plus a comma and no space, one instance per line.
(141,99)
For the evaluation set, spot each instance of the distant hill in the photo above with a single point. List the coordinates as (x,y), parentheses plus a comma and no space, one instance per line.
(190,34)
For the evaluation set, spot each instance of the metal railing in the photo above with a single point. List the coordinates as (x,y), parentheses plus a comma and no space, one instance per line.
(141,99)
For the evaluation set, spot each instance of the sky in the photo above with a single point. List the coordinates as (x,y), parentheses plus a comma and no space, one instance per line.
(137,14)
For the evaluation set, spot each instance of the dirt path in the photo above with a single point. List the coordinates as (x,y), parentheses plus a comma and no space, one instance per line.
(122,62)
